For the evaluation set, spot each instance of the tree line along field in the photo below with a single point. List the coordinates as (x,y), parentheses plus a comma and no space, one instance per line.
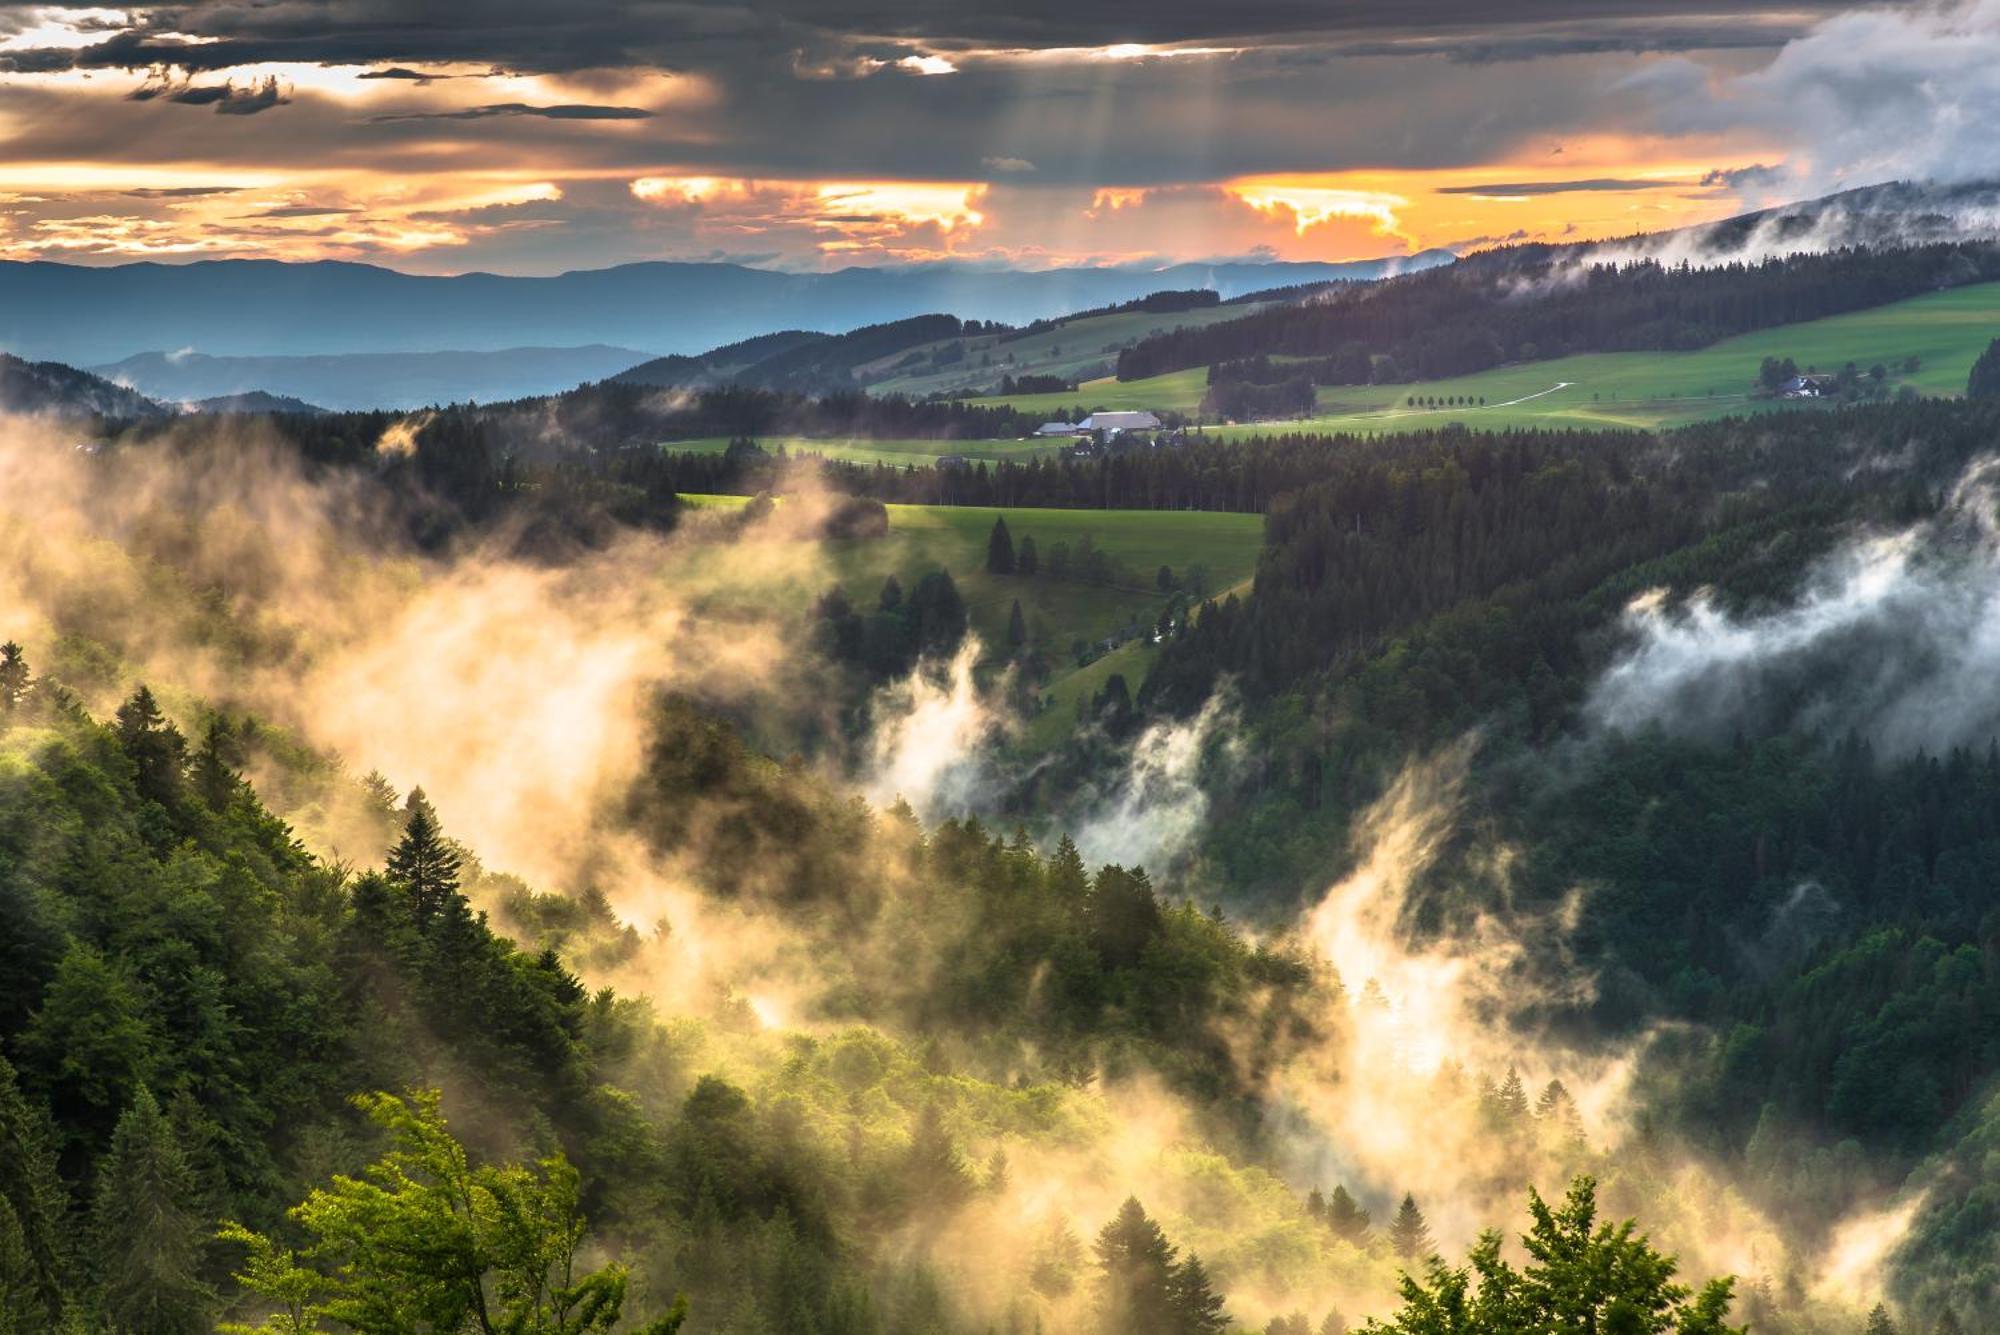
(1945,331)
(1069,350)
(862,450)
(1221,547)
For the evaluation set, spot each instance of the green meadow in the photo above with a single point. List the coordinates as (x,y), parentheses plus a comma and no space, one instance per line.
(1068,350)
(1945,331)
(1058,611)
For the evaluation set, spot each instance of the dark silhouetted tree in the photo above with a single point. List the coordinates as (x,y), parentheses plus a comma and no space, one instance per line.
(13,676)
(1026,560)
(1409,1235)
(423,861)
(1136,1274)
(216,765)
(1197,1307)
(156,748)
(1346,1218)
(999,548)
(1017,626)
(1984,383)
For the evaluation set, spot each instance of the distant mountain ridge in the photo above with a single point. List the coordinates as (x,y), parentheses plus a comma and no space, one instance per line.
(63,391)
(256,401)
(234,308)
(363,380)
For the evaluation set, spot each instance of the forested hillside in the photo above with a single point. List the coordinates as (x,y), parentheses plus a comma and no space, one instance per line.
(1552,805)
(1526,303)
(1718,716)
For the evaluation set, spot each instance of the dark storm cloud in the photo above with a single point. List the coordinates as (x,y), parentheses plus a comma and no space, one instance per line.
(228,99)
(413,76)
(566,112)
(1555,187)
(531,35)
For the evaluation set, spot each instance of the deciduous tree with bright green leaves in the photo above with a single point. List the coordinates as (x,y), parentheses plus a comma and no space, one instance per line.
(427,1241)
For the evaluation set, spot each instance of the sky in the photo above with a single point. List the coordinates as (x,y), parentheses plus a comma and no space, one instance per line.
(533,137)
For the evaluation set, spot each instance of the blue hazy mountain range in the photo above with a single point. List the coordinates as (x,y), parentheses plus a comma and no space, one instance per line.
(88,316)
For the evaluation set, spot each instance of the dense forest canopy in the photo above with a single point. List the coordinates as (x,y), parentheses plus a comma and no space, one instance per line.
(1557,807)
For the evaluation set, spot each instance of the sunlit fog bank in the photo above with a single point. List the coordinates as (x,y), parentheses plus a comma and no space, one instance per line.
(802,928)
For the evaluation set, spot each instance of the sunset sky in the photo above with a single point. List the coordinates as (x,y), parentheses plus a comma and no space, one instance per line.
(525,136)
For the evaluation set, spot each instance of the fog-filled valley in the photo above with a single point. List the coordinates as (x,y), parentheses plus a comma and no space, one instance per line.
(1635,838)
(1045,669)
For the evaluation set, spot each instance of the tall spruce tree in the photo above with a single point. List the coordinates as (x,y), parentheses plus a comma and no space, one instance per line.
(13,677)
(1409,1235)
(1197,1307)
(424,862)
(1346,1218)
(1984,382)
(146,1237)
(999,548)
(34,1259)
(1135,1274)
(216,763)
(934,1172)
(1880,1322)
(156,748)
(1017,627)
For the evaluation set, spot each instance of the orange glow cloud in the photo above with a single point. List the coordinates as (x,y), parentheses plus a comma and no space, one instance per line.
(1310,205)
(922,219)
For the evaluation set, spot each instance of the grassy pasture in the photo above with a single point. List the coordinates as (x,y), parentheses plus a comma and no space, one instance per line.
(1058,612)
(1945,331)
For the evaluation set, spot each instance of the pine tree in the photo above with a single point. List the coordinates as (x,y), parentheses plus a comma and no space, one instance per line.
(145,1235)
(1879,1322)
(156,748)
(216,779)
(1346,1218)
(1026,560)
(1947,1324)
(999,548)
(934,1172)
(1507,1106)
(424,862)
(1068,881)
(1197,1307)
(34,1204)
(1136,1274)
(892,595)
(1057,1260)
(13,677)
(1316,1205)
(995,1181)
(1335,1324)
(1984,383)
(1556,1112)
(1409,1235)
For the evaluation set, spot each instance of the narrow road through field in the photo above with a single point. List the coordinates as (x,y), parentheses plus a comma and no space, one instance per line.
(1560,384)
